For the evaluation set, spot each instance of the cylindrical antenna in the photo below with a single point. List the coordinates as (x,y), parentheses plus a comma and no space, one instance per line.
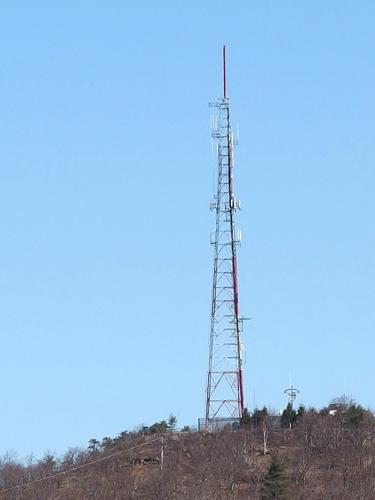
(224,73)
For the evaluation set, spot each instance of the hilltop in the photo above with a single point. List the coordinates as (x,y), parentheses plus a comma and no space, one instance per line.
(305,454)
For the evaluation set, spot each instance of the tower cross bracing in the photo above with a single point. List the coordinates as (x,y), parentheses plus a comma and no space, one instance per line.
(224,391)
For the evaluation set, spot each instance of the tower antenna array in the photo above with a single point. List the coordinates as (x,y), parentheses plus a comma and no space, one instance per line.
(224,391)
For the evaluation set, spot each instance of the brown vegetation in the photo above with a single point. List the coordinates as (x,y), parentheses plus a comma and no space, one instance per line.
(322,455)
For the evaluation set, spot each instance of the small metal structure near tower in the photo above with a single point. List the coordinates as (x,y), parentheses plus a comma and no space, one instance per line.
(292,394)
(224,390)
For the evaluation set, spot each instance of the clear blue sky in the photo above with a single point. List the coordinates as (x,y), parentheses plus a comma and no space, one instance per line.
(105,179)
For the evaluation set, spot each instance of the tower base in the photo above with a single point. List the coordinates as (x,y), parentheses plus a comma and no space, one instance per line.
(217,424)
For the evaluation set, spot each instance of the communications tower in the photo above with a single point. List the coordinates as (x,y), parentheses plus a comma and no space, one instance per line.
(224,391)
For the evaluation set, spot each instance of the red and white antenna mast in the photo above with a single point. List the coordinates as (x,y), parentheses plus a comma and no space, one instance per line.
(224,392)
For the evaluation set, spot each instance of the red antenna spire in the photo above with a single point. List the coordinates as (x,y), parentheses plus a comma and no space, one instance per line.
(224,73)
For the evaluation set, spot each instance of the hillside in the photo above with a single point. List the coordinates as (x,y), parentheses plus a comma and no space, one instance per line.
(325,454)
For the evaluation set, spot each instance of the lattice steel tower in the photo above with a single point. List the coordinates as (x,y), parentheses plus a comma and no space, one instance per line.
(224,392)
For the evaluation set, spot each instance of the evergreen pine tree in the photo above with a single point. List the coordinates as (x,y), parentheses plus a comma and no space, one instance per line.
(258,416)
(172,423)
(301,411)
(246,418)
(275,482)
(289,416)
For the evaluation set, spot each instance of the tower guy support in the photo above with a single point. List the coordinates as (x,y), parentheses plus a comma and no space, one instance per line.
(224,391)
